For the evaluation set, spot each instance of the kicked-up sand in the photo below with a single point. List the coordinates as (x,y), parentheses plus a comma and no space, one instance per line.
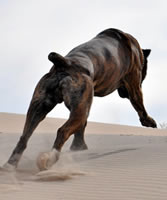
(122,163)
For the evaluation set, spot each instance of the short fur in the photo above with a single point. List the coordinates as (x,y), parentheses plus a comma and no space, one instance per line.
(113,60)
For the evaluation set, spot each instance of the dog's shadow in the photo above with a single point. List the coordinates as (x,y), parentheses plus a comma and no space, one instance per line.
(86,155)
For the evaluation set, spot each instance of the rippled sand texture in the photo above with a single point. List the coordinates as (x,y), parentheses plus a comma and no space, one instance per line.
(127,165)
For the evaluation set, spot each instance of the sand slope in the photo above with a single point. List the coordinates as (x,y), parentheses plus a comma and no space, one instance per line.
(13,123)
(130,166)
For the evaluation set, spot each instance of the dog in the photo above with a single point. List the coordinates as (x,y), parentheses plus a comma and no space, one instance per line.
(113,60)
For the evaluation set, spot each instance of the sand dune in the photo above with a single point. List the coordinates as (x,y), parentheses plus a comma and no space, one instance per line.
(13,123)
(122,162)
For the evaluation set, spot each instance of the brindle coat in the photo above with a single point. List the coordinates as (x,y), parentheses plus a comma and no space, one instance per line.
(112,60)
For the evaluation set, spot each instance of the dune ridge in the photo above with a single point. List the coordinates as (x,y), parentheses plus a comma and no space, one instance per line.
(13,123)
(122,162)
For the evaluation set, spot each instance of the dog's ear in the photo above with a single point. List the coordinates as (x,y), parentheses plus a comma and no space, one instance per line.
(146,52)
(57,60)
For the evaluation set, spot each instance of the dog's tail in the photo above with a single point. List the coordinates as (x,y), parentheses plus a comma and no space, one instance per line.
(57,60)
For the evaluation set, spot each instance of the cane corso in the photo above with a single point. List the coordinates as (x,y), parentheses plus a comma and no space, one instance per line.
(113,60)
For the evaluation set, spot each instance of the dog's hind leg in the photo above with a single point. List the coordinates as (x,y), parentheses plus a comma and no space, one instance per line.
(78,141)
(77,95)
(37,111)
(133,85)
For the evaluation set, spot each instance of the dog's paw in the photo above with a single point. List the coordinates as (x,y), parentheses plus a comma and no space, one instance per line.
(47,159)
(8,167)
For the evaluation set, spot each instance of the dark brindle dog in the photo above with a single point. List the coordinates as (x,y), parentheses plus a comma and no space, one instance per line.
(112,60)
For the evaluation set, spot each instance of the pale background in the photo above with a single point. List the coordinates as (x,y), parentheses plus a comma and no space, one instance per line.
(29,30)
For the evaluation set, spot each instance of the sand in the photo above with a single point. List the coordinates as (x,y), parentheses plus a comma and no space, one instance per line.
(122,162)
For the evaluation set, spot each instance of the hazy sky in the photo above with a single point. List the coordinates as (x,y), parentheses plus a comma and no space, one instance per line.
(29,30)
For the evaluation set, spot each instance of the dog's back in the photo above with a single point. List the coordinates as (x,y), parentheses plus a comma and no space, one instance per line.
(108,57)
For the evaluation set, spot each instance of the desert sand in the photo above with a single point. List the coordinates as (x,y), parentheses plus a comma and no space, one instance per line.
(122,163)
